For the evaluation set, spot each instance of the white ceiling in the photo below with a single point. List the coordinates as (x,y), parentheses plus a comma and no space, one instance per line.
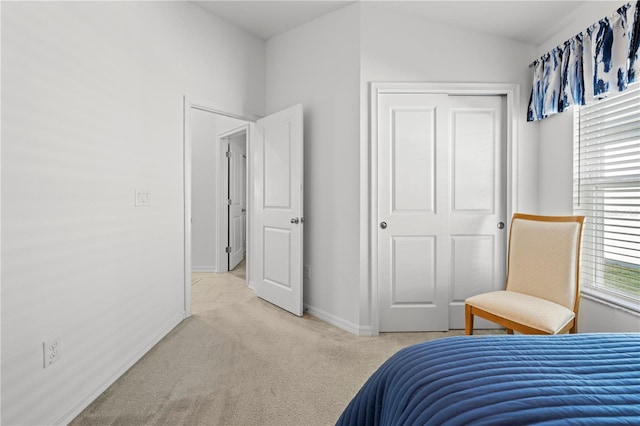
(527,21)
(523,20)
(266,19)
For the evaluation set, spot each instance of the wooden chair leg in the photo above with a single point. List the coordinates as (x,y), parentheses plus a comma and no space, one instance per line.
(468,320)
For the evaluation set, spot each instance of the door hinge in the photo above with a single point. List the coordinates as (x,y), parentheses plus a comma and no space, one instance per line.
(228,154)
(227,250)
(229,202)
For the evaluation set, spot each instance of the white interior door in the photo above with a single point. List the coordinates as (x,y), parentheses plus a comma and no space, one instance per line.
(244,200)
(478,220)
(236,202)
(441,196)
(277,158)
(413,224)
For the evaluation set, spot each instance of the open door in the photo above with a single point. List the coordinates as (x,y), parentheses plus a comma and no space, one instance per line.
(277,160)
(236,202)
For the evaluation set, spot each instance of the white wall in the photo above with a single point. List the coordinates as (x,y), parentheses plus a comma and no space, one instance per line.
(91,109)
(555,178)
(556,171)
(204,193)
(205,185)
(317,65)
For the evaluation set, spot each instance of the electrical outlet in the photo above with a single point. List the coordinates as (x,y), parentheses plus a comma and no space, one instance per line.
(307,272)
(51,351)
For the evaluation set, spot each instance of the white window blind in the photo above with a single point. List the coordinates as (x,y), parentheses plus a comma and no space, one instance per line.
(607,192)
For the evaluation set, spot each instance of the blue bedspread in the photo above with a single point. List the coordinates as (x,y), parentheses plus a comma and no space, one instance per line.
(505,380)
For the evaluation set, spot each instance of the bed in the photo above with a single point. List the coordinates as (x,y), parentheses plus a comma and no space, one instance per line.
(505,380)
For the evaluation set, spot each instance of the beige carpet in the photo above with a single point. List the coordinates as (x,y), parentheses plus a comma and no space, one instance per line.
(243,361)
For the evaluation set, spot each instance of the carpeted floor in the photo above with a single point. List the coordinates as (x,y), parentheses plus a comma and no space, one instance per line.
(242,361)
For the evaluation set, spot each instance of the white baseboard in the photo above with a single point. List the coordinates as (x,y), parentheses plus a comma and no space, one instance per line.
(87,399)
(338,322)
(204,269)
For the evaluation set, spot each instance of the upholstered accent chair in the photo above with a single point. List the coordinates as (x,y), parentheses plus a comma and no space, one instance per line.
(542,291)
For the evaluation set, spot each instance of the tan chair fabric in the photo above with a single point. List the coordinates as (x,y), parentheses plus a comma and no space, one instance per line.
(542,289)
(542,260)
(528,310)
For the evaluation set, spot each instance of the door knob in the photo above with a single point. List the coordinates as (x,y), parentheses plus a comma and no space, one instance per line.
(295,220)
(383,225)
(500,225)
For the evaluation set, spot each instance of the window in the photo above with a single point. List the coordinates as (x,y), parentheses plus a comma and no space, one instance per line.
(607,191)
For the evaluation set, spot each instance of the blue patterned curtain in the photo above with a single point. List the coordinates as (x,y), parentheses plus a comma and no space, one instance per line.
(602,59)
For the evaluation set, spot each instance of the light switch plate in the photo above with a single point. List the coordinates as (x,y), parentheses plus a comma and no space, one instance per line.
(142,197)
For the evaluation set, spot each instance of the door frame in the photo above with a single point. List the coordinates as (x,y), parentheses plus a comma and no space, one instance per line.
(222,224)
(512,94)
(187,105)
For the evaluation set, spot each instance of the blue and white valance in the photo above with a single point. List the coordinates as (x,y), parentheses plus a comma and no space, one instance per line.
(602,59)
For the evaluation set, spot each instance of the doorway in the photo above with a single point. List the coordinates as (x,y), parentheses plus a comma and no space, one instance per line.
(274,194)
(205,182)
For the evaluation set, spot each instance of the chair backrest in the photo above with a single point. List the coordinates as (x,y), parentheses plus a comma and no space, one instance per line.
(544,257)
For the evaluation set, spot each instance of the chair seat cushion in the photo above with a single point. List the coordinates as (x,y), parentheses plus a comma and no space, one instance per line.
(524,309)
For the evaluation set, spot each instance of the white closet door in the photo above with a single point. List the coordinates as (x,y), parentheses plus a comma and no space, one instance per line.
(413,231)
(478,223)
(441,200)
